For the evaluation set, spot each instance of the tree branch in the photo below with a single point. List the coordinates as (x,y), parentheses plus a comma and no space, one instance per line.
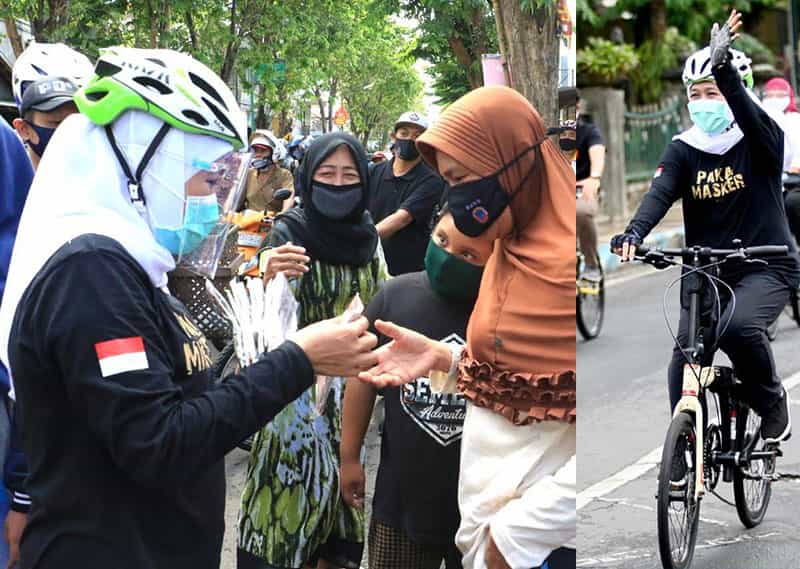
(192,30)
(13,35)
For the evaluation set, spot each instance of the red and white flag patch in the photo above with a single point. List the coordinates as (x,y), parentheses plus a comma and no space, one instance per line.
(658,171)
(120,356)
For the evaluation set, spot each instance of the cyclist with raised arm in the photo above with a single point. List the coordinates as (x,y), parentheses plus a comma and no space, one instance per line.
(727,170)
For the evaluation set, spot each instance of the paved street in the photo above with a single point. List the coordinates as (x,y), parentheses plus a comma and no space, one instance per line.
(624,415)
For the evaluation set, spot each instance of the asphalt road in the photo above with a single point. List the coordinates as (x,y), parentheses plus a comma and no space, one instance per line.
(624,415)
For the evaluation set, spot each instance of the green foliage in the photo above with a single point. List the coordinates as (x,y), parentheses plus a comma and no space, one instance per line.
(452,35)
(690,21)
(754,49)
(692,18)
(606,61)
(383,83)
(656,57)
(281,52)
(587,14)
(531,6)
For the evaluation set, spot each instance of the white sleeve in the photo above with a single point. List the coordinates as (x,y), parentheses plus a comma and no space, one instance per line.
(529,528)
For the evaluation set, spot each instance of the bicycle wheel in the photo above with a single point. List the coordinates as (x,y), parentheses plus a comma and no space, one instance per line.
(678,511)
(752,484)
(590,306)
(225,366)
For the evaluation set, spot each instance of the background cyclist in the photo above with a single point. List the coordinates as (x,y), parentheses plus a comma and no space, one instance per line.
(590,161)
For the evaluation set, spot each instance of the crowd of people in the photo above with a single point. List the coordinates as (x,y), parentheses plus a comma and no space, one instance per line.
(114,424)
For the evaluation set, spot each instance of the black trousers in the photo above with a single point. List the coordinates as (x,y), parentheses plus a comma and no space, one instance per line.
(561,558)
(760,298)
(792,202)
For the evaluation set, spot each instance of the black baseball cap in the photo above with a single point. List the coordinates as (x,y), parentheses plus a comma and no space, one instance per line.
(47,94)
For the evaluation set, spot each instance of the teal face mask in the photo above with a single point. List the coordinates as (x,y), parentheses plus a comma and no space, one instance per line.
(712,117)
(450,276)
(202,216)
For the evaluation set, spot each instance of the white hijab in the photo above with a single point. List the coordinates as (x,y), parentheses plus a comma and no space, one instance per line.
(719,144)
(80,188)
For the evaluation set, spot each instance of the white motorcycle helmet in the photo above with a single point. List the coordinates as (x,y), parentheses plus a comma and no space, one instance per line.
(40,60)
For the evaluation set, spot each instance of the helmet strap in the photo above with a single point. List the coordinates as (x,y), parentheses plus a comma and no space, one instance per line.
(135,181)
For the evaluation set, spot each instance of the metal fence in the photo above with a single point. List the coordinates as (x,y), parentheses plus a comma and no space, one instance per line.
(647,135)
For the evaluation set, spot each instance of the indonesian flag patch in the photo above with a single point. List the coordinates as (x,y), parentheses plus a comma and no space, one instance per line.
(120,356)
(658,171)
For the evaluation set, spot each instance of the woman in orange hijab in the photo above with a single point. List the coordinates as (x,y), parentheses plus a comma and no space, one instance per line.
(509,185)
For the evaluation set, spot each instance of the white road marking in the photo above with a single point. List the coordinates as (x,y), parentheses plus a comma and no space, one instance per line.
(628,504)
(643,465)
(647,553)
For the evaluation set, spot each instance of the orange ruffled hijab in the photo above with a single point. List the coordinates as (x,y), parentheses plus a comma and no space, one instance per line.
(520,357)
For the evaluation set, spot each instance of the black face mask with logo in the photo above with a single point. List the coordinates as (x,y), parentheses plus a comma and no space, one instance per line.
(407,149)
(477,204)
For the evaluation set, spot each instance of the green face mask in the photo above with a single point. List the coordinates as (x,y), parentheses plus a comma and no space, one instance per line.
(451,277)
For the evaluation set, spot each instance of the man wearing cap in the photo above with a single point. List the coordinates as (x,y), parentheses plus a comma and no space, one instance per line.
(16,175)
(45,104)
(403,194)
(266,177)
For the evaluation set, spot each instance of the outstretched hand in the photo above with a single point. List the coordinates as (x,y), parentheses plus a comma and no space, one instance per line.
(408,356)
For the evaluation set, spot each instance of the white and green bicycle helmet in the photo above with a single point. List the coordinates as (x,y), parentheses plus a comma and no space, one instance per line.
(698,67)
(174,87)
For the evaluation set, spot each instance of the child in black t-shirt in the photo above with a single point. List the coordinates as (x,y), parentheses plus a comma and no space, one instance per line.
(415,508)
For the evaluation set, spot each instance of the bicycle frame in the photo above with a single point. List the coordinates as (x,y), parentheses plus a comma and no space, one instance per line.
(697,379)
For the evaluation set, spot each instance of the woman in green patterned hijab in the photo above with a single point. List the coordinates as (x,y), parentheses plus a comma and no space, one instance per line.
(292,513)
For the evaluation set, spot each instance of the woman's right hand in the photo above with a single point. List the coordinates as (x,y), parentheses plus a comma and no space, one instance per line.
(289,259)
(336,347)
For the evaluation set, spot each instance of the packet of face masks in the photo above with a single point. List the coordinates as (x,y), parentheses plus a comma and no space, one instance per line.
(322,387)
(262,317)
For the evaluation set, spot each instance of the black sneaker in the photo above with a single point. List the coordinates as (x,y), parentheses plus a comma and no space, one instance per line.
(776,424)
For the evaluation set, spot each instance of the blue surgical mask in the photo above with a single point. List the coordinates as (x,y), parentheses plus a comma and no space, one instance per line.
(202,216)
(712,117)
(45,134)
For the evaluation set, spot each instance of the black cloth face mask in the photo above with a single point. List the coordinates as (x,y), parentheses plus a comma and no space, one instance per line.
(477,204)
(407,149)
(336,202)
(567,144)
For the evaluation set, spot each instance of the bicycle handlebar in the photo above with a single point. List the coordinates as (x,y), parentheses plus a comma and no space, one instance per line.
(757,251)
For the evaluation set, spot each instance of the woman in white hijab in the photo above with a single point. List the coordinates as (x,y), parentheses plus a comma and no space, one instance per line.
(124,429)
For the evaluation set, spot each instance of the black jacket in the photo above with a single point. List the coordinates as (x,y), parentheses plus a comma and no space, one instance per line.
(125,430)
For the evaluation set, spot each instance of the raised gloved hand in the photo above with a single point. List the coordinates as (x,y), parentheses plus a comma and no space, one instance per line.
(721,38)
